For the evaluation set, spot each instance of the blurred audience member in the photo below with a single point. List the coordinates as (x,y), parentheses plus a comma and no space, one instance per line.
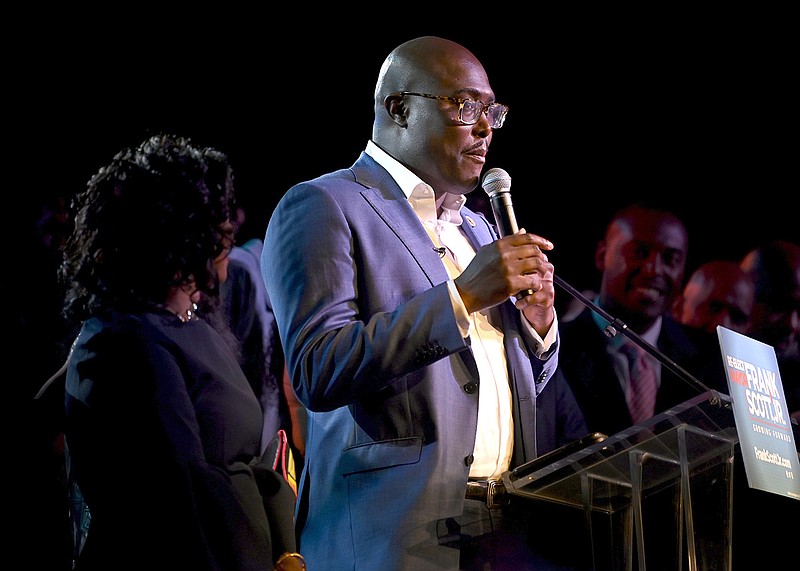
(775,270)
(34,318)
(642,259)
(163,432)
(245,305)
(718,292)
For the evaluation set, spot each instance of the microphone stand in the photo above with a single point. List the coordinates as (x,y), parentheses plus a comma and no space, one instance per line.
(616,326)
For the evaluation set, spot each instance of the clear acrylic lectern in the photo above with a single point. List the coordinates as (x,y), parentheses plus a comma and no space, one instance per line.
(658,495)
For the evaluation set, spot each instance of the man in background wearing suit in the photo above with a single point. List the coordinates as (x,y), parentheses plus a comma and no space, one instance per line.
(642,258)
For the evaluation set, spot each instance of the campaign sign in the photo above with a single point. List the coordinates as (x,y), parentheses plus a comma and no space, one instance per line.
(762,418)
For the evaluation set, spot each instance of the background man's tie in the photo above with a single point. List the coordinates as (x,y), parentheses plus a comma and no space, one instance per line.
(642,389)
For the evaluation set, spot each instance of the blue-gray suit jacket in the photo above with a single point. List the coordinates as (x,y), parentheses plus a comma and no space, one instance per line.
(375,354)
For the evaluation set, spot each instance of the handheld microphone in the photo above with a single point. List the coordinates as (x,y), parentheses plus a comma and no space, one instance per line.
(497,184)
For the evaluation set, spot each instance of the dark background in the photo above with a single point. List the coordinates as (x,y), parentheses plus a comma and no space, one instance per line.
(698,111)
(608,105)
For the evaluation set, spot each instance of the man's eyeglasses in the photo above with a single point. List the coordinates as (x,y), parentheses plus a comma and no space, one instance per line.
(469,110)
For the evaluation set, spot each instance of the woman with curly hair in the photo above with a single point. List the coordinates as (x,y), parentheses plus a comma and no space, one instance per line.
(162,428)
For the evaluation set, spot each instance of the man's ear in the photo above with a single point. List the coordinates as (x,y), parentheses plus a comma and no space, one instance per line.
(599,256)
(396,108)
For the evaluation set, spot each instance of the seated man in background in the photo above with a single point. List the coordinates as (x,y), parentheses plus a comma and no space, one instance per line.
(642,258)
(718,292)
(775,270)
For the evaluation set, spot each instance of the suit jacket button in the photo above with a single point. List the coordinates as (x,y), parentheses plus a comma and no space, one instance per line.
(470,388)
(469,460)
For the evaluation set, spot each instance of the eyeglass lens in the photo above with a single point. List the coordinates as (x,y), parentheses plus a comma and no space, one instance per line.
(471,111)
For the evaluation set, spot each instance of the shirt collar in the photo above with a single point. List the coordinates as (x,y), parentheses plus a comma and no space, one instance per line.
(651,335)
(413,187)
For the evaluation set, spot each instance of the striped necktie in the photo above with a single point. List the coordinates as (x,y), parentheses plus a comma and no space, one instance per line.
(642,388)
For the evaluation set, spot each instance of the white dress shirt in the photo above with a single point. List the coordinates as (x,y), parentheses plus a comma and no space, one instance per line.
(495,437)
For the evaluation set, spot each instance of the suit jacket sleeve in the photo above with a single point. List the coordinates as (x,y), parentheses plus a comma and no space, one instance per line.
(365,312)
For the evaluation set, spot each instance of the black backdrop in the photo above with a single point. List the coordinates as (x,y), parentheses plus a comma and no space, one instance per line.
(608,105)
(699,113)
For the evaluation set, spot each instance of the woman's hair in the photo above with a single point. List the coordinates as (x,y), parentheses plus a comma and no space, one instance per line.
(148,221)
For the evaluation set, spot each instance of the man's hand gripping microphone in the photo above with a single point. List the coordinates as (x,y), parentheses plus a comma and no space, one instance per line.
(497,184)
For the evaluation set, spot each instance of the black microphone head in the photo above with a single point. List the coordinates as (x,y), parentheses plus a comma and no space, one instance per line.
(496,180)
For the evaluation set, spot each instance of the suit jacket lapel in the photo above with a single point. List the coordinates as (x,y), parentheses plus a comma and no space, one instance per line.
(387,199)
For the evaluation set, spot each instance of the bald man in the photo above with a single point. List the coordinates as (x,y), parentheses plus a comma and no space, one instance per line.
(775,270)
(424,378)
(718,292)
